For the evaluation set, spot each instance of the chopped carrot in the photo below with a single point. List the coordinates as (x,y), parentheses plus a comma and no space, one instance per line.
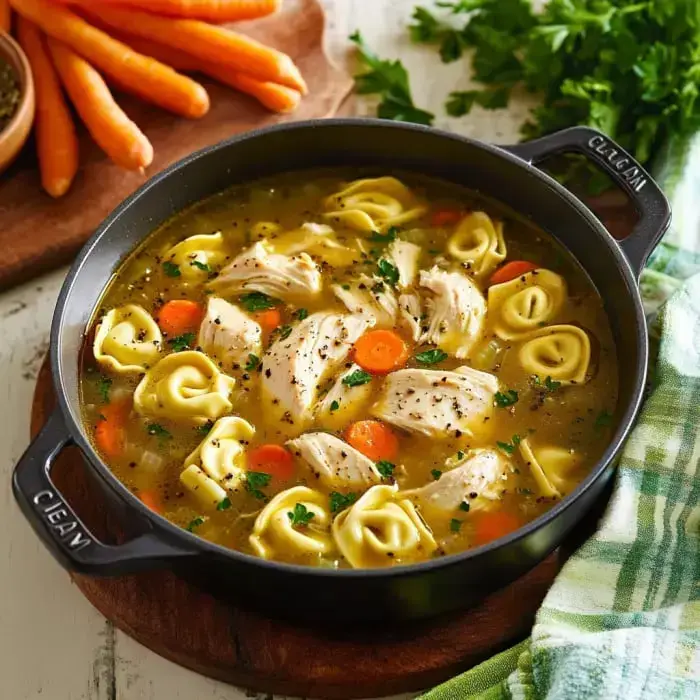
(180,316)
(110,431)
(445,217)
(149,79)
(5,16)
(268,320)
(511,270)
(108,124)
(151,500)
(56,139)
(380,351)
(374,439)
(206,42)
(272,459)
(493,526)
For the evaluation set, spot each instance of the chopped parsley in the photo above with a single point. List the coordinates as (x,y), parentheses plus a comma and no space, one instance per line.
(464,506)
(171,269)
(388,271)
(225,504)
(460,454)
(431,357)
(195,523)
(387,237)
(335,405)
(253,362)
(345,286)
(455,525)
(357,378)
(509,447)
(182,342)
(436,473)
(257,301)
(103,385)
(385,468)
(603,420)
(159,431)
(255,481)
(201,266)
(548,384)
(508,398)
(285,331)
(341,501)
(301,314)
(301,516)
(205,429)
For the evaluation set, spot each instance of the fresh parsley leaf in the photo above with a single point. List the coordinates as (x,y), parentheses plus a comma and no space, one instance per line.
(388,271)
(603,420)
(357,378)
(429,30)
(103,386)
(551,385)
(301,516)
(182,342)
(464,506)
(455,525)
(255,481)
(301,314)
(345,286)
(257,301)
(335,405)
(387,237)
(159,431)
(460,454)
(285,331)
(195,523)
(508,398)
(225,504)
(436,473)
(205,428)
(385,468)
(431,357)
(460,103)
(341,501)
(171,269)
(253,362)
(388,79)
(509,447)
(201,266)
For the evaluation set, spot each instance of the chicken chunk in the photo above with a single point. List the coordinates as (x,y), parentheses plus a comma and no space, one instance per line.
(437,403)
(335,463)
(456,311)
(294,368)
(409,315)
(259,270)
(227,334)
(343,402)
(370,297)
(404,257)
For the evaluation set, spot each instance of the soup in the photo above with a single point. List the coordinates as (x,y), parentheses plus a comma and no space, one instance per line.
(339,370)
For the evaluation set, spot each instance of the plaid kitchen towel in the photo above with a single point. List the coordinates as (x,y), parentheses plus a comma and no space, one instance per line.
(622,620)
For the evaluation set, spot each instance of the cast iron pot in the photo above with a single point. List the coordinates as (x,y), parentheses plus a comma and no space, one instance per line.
(402,593)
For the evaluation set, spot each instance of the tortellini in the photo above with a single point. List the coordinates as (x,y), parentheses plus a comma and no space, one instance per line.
(197,255)
(127,340)
(221,455)
(382,529)
(478,240)
(374,204)
(276,535)
(526,303)
(185,386)
(560,352)
(553,468)
(207,491)
(319,241)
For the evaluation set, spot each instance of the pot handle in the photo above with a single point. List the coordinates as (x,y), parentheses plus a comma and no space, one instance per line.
(651,203)
(61,530)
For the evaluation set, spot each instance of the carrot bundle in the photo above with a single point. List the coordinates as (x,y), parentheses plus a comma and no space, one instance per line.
(56,140)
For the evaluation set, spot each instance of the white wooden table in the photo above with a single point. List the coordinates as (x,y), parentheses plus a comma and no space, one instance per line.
(53,644)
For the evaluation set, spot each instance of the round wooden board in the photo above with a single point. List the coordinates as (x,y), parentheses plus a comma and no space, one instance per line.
(215,638)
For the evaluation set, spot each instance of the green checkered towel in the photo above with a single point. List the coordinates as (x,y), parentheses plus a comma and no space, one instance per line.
(622,620)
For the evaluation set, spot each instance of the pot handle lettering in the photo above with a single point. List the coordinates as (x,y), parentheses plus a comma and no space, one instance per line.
(62,531)
(650,202)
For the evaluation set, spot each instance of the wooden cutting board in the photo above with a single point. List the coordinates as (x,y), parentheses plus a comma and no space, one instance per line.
(38,233)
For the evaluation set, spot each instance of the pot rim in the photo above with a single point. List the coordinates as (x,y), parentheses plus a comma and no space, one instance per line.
(198,545)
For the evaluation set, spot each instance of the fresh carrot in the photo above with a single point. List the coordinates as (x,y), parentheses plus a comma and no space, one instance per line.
(174,58)
(445,217)
(380,351)
(107,123)
(56,139)
(5,16)
(216,11)
(268,320)
(180,316)
(206,42)
(149,79)
(271,459)
(151,500)
(493,526)
(511,270)
(110,431)
(374,439)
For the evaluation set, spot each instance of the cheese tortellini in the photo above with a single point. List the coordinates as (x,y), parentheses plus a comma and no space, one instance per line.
(478,240)
(185,386)
(127,340)
(197,255)
(553,468)
(560,352)
(374,204)
(276,535)
(382,529)
(526,303)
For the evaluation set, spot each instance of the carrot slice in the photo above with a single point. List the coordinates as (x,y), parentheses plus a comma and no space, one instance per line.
(180,316)
(445,217)
(110,433)
(380,351)
(268,320)
(272,459)
(511,270)
(374,439)
(151,500)
(493,526)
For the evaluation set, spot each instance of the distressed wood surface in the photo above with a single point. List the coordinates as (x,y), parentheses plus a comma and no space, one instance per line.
(53,644)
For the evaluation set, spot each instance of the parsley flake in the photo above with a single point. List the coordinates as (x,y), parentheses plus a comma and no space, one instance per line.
(436,473)
(385,468)
(255,481)
(301,516)
(431,357)
(387,237)
(182,342)
(508,398)
(509,447)
(357,378)
(195,523)
(171,269)
(335,405)
(201,266)
(285,331)
(455,525)
(301,314)
(388,271)
(158,430)
(225,504)
(205,429)
(341,501)
(464,506)
(103,386)
(257,301)
(253,362)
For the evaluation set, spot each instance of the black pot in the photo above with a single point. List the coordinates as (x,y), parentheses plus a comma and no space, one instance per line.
(405,592)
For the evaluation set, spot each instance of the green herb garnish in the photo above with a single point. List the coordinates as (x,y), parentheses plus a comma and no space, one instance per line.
(171,269)
(503,400)
(195,523)
(255,481)
(387,237)
(341,501)
(253,362)
(205,429)
(301,516)
(301,314)
(603,420)
(335,405)
(431,357)
(201,266)
(455,525)
(159,431)
(285,331)
(103,386)
(182,342)
(388,271)
(509,447)
(385,468)
(225,504)
(257,301)
(357,378)
(460,454)
(436,473)
(464,506)
(548,384)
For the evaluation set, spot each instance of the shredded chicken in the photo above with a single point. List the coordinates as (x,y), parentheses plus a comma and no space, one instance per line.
(409,315)
(371,297)
(404,256)
(343,403)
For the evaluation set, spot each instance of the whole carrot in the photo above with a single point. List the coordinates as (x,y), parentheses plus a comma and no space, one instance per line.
(107,123)
(5,16)
(141,75)
(56,140)
(206,42)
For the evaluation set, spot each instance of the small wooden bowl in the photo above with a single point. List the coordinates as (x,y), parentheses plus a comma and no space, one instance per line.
(15,134)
